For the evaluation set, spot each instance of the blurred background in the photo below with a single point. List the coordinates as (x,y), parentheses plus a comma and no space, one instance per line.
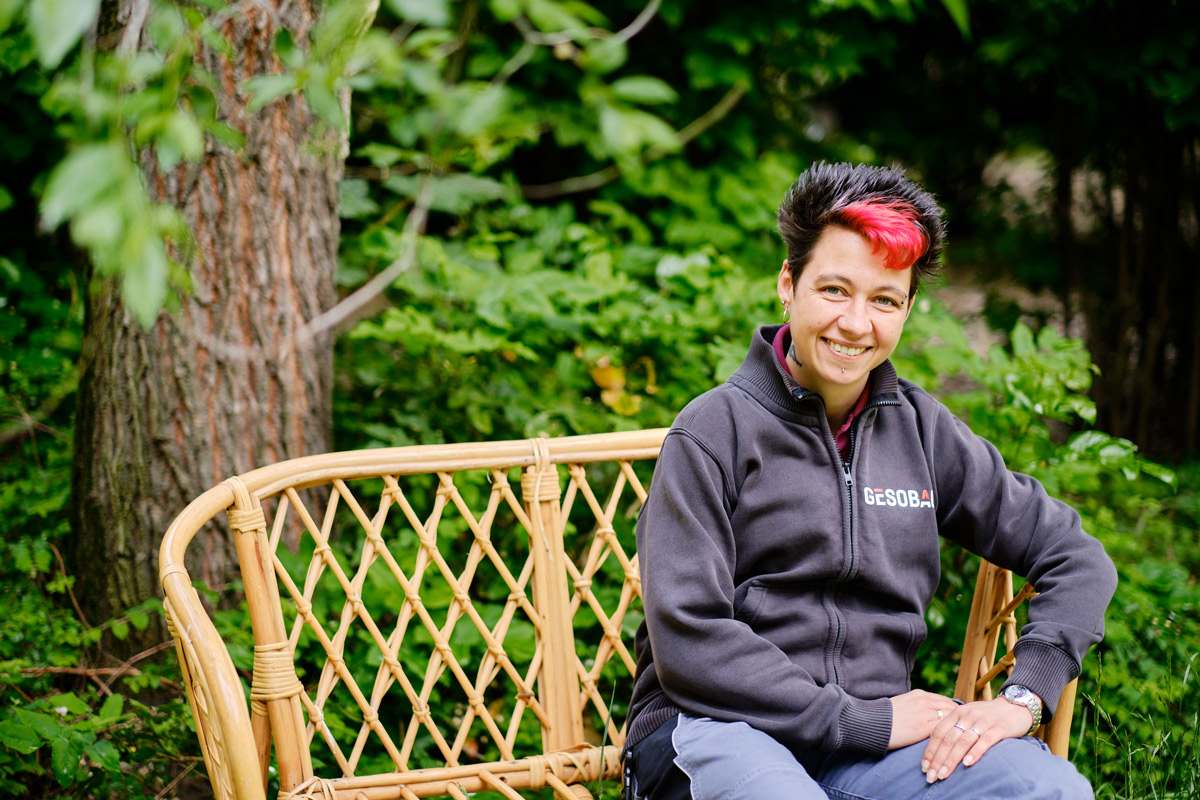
(237,233)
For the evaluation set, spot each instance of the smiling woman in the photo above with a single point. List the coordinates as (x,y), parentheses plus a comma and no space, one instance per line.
(788,547)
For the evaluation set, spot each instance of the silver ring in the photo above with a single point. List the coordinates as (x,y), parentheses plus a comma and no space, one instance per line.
(960,726)
(940,715)
(976,731)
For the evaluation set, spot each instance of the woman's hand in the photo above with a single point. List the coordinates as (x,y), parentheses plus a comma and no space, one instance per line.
(968,731)
(915,714)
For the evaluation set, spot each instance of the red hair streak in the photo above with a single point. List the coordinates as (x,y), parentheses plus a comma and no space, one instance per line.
(888,224)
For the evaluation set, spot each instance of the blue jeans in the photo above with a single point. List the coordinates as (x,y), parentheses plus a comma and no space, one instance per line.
(732,761)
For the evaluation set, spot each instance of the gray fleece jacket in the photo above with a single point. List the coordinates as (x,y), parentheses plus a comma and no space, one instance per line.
(788,590)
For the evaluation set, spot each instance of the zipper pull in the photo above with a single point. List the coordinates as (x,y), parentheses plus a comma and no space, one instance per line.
(848,476)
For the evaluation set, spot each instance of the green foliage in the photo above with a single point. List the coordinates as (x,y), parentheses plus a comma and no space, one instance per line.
(514,343)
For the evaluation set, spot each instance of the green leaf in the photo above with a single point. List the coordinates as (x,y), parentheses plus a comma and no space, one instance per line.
(100,225)
(482,111)
(114,704)
(46,726)
(264,89)
(1022,340)
(627,131)
(56,26)
(144,282)
(21,738)
(605,56)
(324,103)
(22,558)
(10,269)
(434,13)
(1164,474)
(356,200)
(70,702)
(120,630)
(8,12)
(958,12)
(41,556)
(506,10)
(64,759)
(80,180)
(104,754)
(181,139)
(644,89)
(138,618)
(552,16)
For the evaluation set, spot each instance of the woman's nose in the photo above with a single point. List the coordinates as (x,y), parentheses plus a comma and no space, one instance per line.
(855,321)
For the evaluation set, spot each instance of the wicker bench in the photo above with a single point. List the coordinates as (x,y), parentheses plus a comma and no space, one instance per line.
(443,620)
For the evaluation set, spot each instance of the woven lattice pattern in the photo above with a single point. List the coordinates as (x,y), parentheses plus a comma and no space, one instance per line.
(417,642)
(606,592)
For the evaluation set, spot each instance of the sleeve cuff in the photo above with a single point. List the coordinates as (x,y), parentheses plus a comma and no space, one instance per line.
(865,726)
(1043,669)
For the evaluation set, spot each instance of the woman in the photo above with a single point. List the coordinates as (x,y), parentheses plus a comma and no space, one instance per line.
(789,547)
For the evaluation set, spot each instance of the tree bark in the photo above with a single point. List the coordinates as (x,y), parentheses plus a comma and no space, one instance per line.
(222,384)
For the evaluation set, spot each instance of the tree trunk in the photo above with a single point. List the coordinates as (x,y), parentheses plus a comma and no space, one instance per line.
(222,384)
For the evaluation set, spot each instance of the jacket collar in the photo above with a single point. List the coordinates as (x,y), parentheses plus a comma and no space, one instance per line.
(764,377)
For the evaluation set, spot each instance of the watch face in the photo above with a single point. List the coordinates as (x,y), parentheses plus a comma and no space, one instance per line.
(1018,693)
(1022,695)
(1025,697)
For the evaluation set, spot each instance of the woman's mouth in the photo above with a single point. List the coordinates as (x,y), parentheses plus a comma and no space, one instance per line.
(845,350)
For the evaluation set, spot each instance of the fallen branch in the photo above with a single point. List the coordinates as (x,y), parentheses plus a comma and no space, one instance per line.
(93,673)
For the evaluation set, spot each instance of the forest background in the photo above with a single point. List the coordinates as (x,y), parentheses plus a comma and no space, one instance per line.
(363,225)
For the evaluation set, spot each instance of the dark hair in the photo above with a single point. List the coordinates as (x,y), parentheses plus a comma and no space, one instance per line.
(878,202)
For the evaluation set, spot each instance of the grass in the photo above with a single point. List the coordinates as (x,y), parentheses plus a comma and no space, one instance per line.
(1153,755)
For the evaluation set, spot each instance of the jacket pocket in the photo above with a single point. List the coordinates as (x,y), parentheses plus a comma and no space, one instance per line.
(791,616)
(878,645)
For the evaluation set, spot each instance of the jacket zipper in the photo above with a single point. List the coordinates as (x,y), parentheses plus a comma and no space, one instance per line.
(847,475)
(848,479)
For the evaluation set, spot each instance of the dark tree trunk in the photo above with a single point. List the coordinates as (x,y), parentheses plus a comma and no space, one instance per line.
(222,384)
(1142,330)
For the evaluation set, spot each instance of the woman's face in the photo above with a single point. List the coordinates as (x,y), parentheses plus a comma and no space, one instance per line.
(847,313)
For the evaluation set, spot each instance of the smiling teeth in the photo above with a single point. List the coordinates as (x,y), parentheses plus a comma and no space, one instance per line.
(847,351)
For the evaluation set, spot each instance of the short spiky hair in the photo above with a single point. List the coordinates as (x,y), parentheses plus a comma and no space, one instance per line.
(878,202)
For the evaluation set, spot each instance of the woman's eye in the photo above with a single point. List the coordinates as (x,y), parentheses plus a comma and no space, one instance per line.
(836,290)
(887,301)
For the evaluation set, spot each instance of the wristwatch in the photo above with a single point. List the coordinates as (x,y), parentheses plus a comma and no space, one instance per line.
(1021,696)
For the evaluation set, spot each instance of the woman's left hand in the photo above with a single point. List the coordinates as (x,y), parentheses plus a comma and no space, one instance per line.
(969,731)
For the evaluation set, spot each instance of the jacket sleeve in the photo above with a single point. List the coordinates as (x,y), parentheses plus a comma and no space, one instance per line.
(708,661)
(1008,518)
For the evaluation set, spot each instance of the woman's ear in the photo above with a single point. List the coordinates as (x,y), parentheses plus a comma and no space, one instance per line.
(783,285)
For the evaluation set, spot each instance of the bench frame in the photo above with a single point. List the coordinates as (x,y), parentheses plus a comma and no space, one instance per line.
(237,736)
